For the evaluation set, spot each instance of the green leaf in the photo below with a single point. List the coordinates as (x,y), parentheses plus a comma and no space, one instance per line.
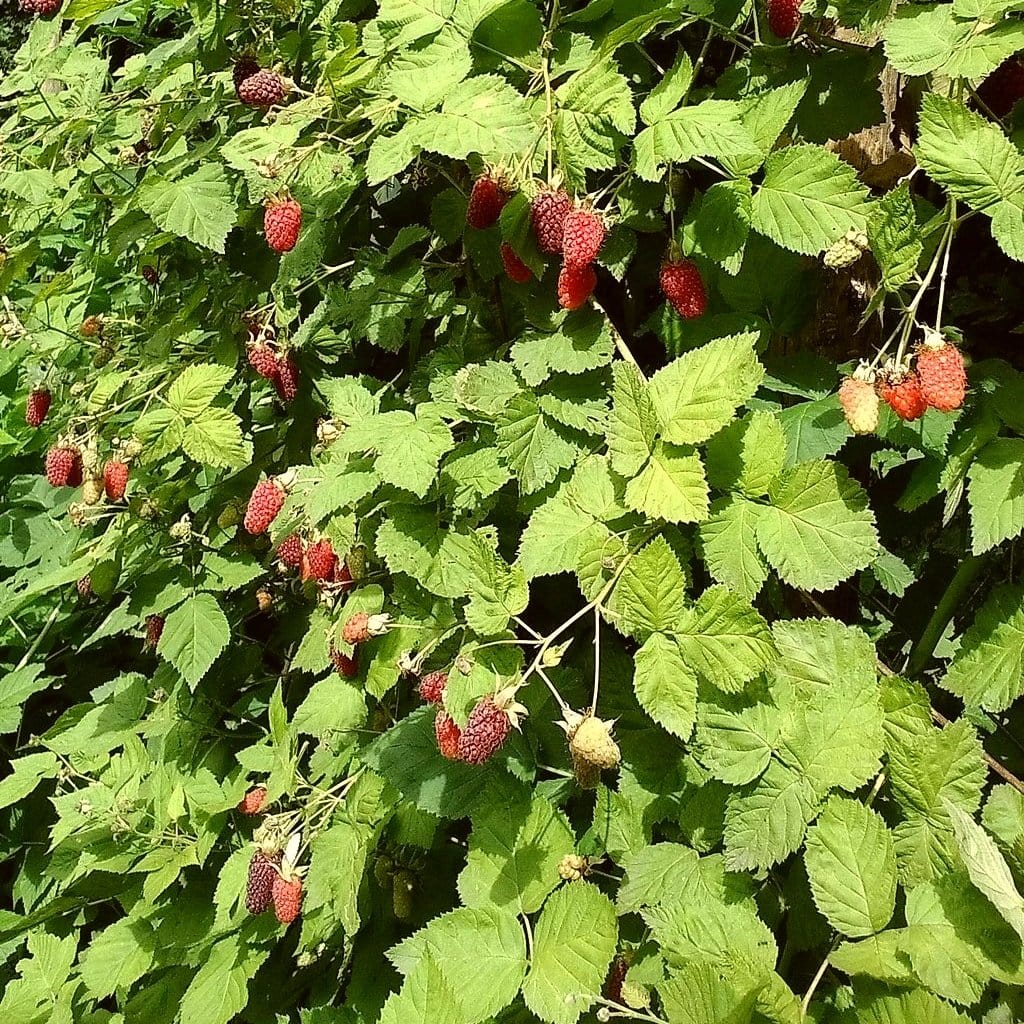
(479,953)
(736,746)
(809,199)
(337,859)
(765,824)
(214,438)
(987,868)
(818,530)
(729,541)
(15,688)
(633,424)
(700,391)
(582,342)
(851,864)
(529,446)
(969,156)
(200,207)
(117,957)
(331,706)
(988,670)
(219,989)
(699,992)
(194,635)
(665,685)
(196,387)
(574,942)
(747,454)
(725,639)
(497,591)
(651,592)
(513,857)
(723,221)
(895,239)
(670,486)
(996,493)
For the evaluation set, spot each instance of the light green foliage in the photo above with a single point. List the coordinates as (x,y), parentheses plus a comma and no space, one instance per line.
(662,519)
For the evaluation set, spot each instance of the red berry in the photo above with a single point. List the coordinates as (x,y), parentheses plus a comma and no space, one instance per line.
(616,976)
(575,285)
(84,586)
(902,393)
(547,213)
(265,502)
(287,896)
(346,667)
(290,551)
(91,326)
(448,735)
(432,686)
(940,369)
(44,8)
(319,561)
(784,17)
(64,466)
(583,237)
(515,268)
(259,886)
(486,201)
(115,479)
(253,801)
(287,379)
(154,630)
(262,88)
(356,629)
(150,274)
(343,576)
(263,359)
(244,68)
(38,406)
(486,730)
(683,287)
(1001,91)
(281,222)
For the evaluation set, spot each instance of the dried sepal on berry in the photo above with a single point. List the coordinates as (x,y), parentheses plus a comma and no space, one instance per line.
(362,626)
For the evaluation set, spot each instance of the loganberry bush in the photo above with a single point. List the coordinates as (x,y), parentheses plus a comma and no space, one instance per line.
(511,512)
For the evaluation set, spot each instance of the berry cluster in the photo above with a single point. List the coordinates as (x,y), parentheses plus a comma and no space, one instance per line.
(935,379)
(489,723)
(279,367)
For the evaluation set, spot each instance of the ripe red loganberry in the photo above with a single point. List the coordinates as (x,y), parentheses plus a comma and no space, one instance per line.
(84,586)
(37,406)
(583,237)
(319,561)
(575,285)
(281,222)
(1002,90)
(343,576)
(486,201)
(115,479)
(265,502)
(448,735)
(346,667)
(356,629)
(616,976)
(244,68)
(150,274)
(486,730)
(154,630)
(262,88)
(547,214)
(263,359)
(784,17)
(287,896)
(683,287)
(515,268)
(287,379)
(290,551)
(902,393)
(64,466)
(252,803)
(259,885)
(432,686)
(940,369)
(44,8)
